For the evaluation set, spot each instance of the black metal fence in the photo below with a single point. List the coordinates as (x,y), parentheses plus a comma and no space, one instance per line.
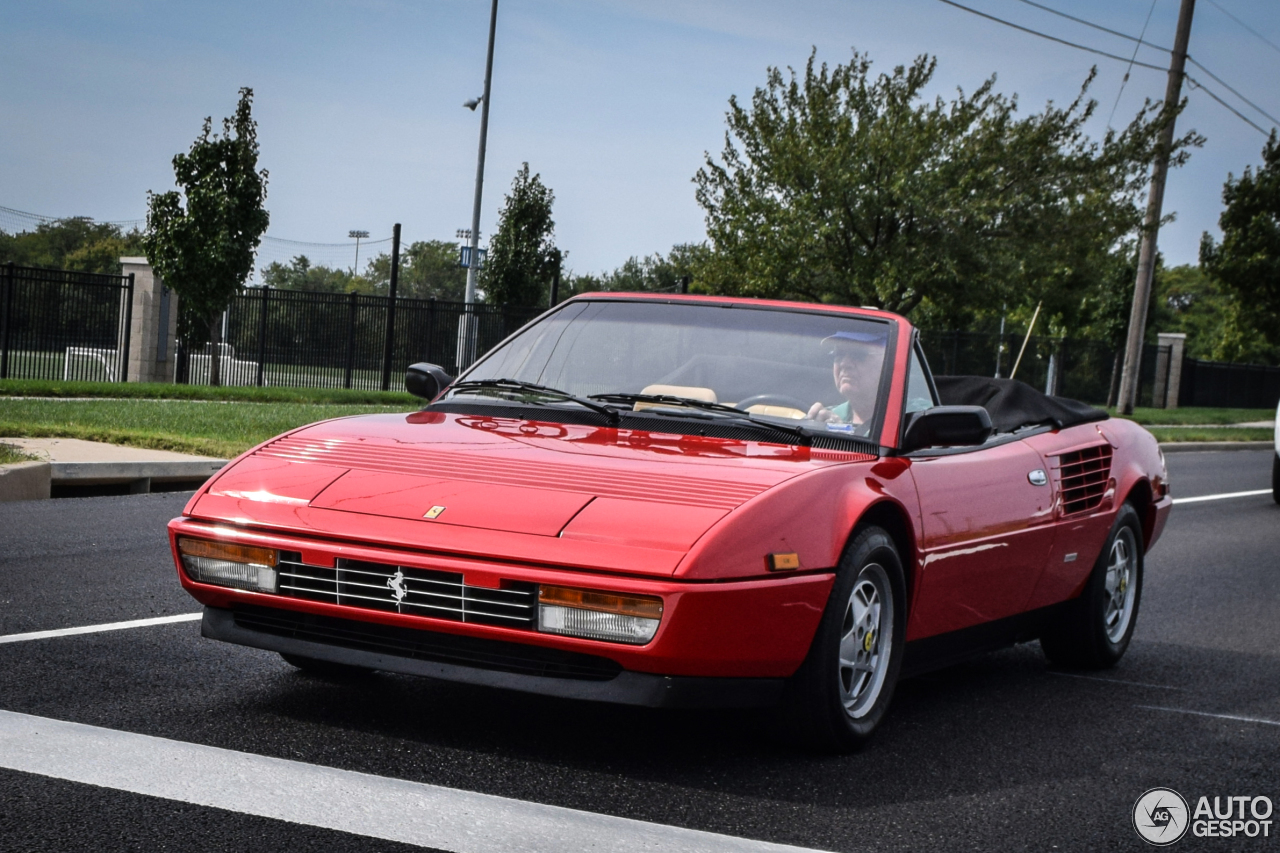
(61,324)
(338,340)
(1083,370)
(1216,383)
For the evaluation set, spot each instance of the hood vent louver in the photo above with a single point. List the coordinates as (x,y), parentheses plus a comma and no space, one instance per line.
(1083,476)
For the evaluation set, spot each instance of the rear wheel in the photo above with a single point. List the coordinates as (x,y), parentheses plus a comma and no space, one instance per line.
(843,689)
(324,668)
(1275,478)
(1093,631)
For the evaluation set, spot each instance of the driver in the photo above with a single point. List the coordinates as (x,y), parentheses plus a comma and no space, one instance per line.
(855,366)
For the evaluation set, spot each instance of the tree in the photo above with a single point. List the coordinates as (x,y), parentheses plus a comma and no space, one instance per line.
(205,250)
(654,273)
(428,270)
(1247,262)
(837,186)
(522,257)
(301,274)
(76,243)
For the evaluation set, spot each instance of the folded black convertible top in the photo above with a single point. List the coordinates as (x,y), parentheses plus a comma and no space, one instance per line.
(1014,404)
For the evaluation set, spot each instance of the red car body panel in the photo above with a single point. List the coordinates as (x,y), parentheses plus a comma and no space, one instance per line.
(691,519)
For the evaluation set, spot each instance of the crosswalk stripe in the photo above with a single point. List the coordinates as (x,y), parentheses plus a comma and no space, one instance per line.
(326,797)
(94,629)
(1222,496)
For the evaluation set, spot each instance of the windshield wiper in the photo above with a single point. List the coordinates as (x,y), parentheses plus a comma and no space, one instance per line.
(728,412)
(519,386)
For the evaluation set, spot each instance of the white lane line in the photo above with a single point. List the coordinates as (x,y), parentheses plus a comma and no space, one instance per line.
(94,629)
(358,803)
(1234,717)
(1224,496)
(1115,680)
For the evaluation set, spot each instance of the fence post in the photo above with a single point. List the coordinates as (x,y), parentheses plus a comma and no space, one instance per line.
(262,337)
(391,307)
(431,327)
(8,320)
(123,366)
(1176,342)
(351,340)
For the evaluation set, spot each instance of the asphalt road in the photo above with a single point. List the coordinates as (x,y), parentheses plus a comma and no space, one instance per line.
(1001,753)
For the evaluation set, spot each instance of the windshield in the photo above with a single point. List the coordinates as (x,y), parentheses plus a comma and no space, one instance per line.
(821,371)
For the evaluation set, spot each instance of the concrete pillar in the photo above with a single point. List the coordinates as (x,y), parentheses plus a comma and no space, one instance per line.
(153,335)
(1177,344)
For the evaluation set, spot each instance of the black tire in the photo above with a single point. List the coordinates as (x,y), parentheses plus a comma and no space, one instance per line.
(1275,478)
(325,668)
(830,706)
(1093,631)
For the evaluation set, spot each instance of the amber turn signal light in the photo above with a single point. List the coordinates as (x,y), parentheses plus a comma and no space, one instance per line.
(782,562)
(643,606)
(228,551)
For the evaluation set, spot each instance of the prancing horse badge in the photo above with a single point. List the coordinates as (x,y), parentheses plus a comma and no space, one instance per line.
(434,512)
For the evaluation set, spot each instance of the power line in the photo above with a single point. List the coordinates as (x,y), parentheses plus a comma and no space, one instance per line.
(1198,85)
(1139,40)
(1268,41)
(1272,118)
(1049,37)
(1094,50)
(1125,80)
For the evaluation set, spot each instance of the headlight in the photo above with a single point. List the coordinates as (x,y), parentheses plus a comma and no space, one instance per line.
(228,564)
(598,615)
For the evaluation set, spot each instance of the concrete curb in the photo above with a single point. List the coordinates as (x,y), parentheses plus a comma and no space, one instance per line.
(1193,446)
(25,481)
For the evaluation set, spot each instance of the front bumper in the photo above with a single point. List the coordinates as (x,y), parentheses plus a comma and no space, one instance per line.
(753,628)
(440,656)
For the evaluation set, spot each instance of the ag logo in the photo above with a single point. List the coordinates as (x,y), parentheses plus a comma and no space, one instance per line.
(1160,816)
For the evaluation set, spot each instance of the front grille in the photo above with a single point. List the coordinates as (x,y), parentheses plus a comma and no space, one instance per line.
(403,589)
(1083,475)
(432,646)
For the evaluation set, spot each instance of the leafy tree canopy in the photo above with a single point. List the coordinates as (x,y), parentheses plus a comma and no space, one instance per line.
(654,273)
(522,258)
(1247,261)
(76,243)
(838,186)
(204,248)
(428,269)
(301,274)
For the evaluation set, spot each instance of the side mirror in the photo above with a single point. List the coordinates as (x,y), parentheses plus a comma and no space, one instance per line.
(946,426)
(426,380)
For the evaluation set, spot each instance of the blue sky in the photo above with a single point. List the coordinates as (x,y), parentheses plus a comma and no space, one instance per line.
(614,102)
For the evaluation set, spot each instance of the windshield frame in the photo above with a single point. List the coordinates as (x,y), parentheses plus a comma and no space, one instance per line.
(887,369)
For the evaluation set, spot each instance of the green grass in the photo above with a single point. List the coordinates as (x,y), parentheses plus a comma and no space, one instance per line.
(220,429)
(1199,416)
(1219,434)
(10,454)
(169,391)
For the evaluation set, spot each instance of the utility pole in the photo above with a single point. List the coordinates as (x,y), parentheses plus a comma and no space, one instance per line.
(467,329)
(1151,222)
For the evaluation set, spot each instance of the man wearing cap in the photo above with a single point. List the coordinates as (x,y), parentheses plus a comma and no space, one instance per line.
(855,366)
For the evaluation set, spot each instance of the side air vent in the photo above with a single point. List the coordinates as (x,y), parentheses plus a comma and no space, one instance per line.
(1083,475)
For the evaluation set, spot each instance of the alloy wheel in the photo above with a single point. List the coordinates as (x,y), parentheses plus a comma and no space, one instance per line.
(866,635)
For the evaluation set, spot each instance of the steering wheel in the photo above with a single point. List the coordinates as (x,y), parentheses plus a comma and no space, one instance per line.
(771,400)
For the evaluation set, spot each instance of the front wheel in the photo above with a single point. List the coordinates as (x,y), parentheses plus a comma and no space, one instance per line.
(842,691)
(1094,630)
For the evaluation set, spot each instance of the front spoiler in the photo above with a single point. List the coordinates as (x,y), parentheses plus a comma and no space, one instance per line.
(626,688)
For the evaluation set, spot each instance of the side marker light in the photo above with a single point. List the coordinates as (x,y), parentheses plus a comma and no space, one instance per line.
(788,562)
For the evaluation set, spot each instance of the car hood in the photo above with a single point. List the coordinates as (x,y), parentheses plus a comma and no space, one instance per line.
(510,489)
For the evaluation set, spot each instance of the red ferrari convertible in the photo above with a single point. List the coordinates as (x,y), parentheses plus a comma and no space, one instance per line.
(687,500)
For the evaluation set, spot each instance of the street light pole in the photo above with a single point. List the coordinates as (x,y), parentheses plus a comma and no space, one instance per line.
(467,332)
(357,234)
(1151,222)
